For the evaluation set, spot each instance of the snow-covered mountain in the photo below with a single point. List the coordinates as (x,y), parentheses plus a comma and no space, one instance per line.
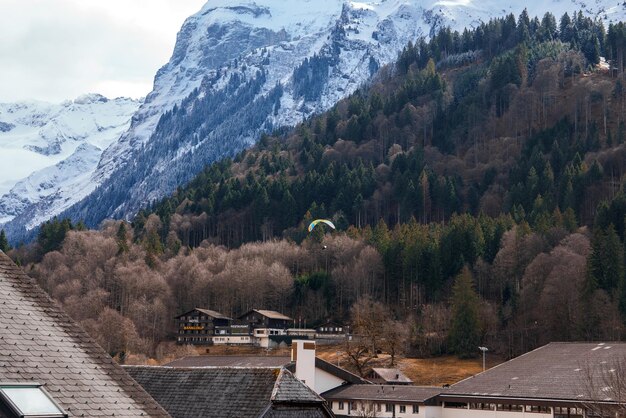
(242,67)
(48,152)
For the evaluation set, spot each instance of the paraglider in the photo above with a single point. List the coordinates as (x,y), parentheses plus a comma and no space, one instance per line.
(317,221)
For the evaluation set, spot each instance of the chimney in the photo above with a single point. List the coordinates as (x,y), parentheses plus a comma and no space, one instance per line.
(303,353)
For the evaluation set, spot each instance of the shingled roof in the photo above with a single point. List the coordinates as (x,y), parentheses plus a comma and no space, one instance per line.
(268,314)
(403,393)
(336,371)
(231,361)
(391,376)
(208,312)
(229,392)
(557,371)
(39,343)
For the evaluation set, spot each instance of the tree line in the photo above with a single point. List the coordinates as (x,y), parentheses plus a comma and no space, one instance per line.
(477,186)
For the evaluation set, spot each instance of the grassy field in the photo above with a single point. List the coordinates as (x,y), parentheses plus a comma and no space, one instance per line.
(434,371)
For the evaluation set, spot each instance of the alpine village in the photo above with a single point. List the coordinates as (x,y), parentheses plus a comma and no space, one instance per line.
(328,208)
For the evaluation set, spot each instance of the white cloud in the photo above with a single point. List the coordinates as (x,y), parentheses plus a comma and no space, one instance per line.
(59,49)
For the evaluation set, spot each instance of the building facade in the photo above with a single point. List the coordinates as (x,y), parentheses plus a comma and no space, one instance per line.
(559,380)
(256,327)
(201,326)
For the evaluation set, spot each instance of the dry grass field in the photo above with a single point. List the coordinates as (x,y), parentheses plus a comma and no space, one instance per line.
(434,371)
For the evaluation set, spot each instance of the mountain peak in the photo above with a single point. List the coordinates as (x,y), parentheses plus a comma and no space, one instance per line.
(242,68)
(90,98)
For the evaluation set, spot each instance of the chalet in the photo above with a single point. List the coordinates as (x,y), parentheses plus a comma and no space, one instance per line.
(200,326)
(329,329)
(268,328)
(49,366)
(230,392)
(267,320)
(388,377)
(256,327)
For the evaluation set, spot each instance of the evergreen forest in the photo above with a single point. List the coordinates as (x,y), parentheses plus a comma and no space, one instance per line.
(477,186)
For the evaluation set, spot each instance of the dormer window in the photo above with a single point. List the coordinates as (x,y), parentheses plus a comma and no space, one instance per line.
(29,400)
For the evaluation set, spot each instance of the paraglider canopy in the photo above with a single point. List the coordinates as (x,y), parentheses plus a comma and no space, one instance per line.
(317,221)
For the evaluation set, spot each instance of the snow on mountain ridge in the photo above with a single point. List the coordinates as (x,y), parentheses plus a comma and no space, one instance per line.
(343,41)
(272,63)
(52,149)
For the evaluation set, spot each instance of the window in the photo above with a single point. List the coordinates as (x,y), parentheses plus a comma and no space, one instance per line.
(456,405)
(403,409)
(538,409)
(483,406)
(416,409)
(388,407)
(340,406)
(564,412)
(29,400)
(379,407)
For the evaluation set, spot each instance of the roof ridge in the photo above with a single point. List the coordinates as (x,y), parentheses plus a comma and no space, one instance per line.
(68,337)
(285,374)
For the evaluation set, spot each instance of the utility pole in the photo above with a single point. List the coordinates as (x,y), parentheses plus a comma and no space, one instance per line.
(484,350)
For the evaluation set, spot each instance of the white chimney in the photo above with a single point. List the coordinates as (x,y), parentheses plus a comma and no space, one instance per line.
(303,353)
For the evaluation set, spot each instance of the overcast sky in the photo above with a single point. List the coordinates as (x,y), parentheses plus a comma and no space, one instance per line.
(54,50)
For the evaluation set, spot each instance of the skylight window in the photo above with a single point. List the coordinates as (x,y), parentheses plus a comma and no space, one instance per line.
(29,400)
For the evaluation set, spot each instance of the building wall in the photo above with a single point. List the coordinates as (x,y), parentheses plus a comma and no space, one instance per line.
(477,413)
(325,381)
(379,409)
(198,328)
(233,339)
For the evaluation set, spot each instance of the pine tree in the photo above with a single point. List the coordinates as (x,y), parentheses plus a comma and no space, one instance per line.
(4,242)
(121,238)
(465,331)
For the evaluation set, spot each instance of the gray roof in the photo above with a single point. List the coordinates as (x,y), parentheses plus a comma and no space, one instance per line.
(229,392)
(271,314)
(555,372)
(231,361)
(419,394)
(336,371)
(40,343)
(391,375)
(212,314)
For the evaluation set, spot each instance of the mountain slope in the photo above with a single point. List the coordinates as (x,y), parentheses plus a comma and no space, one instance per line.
(511,120)
(48,152)
(240,69)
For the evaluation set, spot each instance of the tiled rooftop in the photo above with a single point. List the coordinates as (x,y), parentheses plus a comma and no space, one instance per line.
(271,314)
(554,371)
(40,343)
(229,392)
(230,361)
(209,312)
(383,393)
(391,375)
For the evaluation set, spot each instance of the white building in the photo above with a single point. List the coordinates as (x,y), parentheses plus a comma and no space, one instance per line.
(559,380)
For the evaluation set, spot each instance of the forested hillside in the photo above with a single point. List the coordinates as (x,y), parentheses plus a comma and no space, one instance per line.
(499,149)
